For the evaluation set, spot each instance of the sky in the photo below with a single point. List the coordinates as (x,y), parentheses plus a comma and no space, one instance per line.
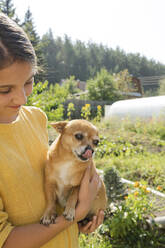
(136,26)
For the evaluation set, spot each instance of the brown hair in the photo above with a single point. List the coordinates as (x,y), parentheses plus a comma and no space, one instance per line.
(14,44)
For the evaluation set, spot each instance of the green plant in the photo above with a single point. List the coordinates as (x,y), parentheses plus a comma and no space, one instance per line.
(70,110)
(98,114)
(117,148)
(114,187)
(71,85)
(49,99)
(161,132)
(56,114)
(126,224)
(102,87)
(86,111)
(94,240)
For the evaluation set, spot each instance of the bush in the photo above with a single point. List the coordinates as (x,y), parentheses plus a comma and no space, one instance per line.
(114,188)
(126,224)
(102,87)
(49,99)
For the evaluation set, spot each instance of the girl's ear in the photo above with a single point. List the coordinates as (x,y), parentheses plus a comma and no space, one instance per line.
(59,126)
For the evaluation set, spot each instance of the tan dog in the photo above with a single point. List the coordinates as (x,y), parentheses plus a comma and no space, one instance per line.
(68,157)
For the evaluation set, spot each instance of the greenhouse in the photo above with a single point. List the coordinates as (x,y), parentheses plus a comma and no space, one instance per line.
(144,108)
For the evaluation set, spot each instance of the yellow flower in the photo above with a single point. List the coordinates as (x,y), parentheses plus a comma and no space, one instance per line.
(136,184)
(159,188)
(99,107)
(136,193)
(144,187)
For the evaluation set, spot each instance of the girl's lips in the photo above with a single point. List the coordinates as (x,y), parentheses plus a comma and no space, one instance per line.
(15,107)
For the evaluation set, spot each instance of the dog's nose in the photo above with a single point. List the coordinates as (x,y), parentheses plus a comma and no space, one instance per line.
(89,148)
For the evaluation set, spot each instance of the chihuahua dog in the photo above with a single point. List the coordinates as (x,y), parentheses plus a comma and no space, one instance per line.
(68,157)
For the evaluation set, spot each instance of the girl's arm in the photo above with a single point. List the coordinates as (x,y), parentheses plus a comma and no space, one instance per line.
(36,235)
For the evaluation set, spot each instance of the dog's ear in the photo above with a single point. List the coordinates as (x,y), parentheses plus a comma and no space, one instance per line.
(59,126)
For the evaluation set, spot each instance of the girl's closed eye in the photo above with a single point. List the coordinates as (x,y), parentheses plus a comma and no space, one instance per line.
(31,81)
(28,83)
(8,89)
(5,90)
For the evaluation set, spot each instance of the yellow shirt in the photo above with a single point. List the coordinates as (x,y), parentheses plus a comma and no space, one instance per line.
(23,147)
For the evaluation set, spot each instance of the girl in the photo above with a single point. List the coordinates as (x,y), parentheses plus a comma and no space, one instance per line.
(23,148)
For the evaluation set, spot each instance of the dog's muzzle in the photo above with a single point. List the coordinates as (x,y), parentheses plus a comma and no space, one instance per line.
(88,152)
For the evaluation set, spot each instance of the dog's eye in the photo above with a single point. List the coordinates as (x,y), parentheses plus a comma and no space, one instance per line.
(95,142)
(79,136)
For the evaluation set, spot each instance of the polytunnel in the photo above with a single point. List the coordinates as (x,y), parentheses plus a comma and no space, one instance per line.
(145,108)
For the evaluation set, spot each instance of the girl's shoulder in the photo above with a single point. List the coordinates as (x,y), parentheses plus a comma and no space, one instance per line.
(34,114)
(31,110)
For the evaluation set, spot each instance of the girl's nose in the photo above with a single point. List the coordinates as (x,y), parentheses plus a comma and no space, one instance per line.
(20,97)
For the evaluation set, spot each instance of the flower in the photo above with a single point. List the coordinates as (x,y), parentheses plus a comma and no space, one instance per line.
(144,188)
(159,188)
(99,107)
(136,193)
(136,184)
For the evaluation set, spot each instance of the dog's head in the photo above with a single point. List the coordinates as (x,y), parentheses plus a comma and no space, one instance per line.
(79,137)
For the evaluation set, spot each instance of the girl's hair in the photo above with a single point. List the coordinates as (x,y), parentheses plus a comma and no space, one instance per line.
(14,44)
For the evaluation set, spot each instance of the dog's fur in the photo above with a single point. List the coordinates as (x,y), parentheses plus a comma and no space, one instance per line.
(68,157)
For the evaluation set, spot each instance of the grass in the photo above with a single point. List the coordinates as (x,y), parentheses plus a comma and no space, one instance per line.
(145,143)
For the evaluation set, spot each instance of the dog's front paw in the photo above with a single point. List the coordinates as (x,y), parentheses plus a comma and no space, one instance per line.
(48,219)
(69,214)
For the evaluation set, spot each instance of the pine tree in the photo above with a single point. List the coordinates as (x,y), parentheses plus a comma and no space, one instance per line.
(7,7)
(29,28)
(52,56)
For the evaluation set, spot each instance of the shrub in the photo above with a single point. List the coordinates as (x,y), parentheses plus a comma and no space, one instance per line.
(126,224)
(114,188)
(49,99)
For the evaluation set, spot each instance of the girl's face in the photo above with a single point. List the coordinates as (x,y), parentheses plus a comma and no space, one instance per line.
(16,84)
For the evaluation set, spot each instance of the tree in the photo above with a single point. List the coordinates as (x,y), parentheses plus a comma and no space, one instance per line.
(80,61)
(7,7)
(65,58)
(29,28)
(50,51)
(124,84)
(71,85)
(103,87)
(94,58)
(68,56)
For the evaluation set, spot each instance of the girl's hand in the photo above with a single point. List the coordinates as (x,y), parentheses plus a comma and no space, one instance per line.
(88,191)
(91,226)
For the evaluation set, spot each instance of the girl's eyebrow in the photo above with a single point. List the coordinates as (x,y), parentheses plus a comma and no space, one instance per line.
(10,85)
(30,77)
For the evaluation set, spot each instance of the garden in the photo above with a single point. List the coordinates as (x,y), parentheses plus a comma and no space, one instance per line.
(134,151)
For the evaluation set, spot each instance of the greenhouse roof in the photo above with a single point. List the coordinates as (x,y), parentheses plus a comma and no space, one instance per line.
(146,107)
